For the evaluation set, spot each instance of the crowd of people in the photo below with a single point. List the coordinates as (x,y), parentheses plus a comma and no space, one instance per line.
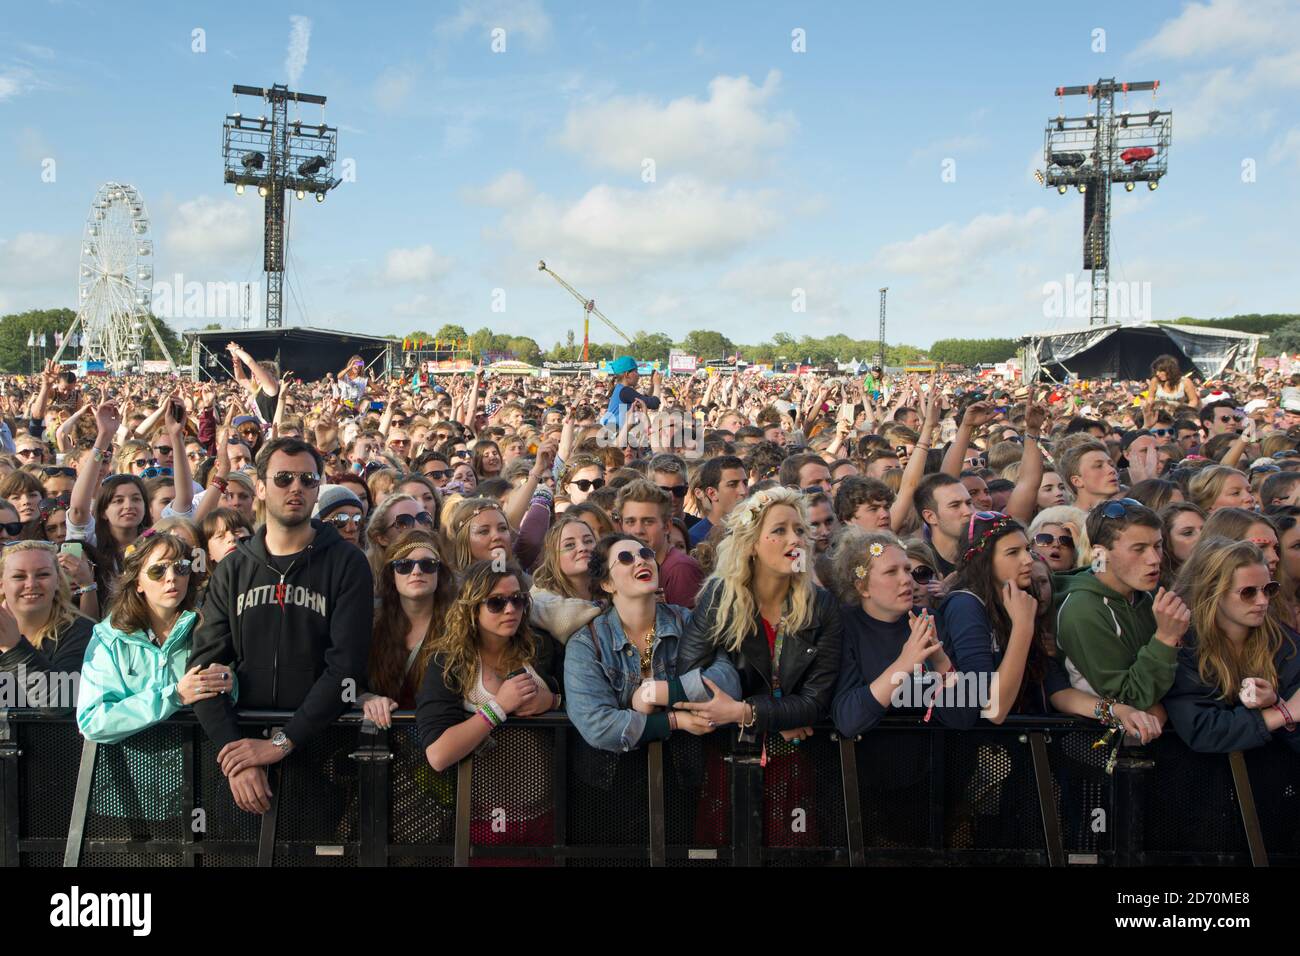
(738,553)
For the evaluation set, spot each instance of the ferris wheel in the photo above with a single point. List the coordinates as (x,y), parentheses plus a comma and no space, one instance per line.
(115,281)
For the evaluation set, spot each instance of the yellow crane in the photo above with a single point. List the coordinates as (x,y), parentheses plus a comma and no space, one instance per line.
(588,310)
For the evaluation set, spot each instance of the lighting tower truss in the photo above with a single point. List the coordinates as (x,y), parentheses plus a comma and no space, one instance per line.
(882,327)
(1093,151)
(278,155)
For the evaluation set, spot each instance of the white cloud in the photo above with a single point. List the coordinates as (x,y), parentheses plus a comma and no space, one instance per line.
(36,259)
(508,189)
(1221,99)
(295,58)
(418,264)
(205,231)
(1287,147)
(611,232)
(1225,26)
(15,81)
(729,133)
(952,255)
(524,18)
(773,282)
(394,86)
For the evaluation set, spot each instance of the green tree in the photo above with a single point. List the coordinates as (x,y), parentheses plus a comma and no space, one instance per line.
(973,351)
(708,344)
(1286,338)
(15,356)
(524,349)
(651,346)
(450,333)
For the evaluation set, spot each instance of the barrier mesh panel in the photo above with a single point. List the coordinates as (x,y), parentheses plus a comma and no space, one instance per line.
(47,777)
(1191,805)
(225,821)
(513,794)
(608,804)
(136,791)
(319,798)
(1275,781)
(1082,787)
(803,802)
(421,801)
(697,799)
(894,788)
(990,799)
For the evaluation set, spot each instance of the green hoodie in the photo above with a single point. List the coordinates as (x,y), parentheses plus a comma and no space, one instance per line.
(1110,642)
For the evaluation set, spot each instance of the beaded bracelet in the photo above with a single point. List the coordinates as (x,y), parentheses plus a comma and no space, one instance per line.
(1287,720)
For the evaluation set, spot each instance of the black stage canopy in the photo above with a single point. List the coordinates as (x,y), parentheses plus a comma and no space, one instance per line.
(308,353)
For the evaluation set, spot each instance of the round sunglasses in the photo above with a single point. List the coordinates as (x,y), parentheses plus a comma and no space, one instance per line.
(588,484)
(342,521)
(156,571)
(1270,591)
(922,574)
(629,557)
(405,566)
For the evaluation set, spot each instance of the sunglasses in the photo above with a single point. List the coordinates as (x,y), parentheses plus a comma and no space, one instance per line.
(1119,509)
(156,472)
(342,521)
(438,474)
(588,484)
(1045,540)
(156,571)
(983,516)
(29,452)
(976,462)
(629,557)
(250,430)
(196,455)
(399,442)
(677,491)
(1251,592)
(409,521)
(59,471)
(922,574)
(139,462)
(1162,432)
(11,528)
(308,479)
(497,603)
(405,566)
(162,451)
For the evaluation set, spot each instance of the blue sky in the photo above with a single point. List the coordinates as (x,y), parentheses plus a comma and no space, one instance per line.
(773,170)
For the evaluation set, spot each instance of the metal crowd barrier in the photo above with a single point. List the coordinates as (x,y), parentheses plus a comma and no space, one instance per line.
(1032,791)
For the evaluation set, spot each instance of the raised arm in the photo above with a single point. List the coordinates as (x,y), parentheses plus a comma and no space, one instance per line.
(175,430)
(900,513)
(1024,497)
(80,505)
(975,415)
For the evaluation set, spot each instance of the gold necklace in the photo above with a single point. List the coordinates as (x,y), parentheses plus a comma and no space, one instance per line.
(647,652)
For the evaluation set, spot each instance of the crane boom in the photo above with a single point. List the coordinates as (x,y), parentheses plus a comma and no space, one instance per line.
(588,304)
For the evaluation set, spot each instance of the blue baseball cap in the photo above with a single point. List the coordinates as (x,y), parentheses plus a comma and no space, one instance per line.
(622,365)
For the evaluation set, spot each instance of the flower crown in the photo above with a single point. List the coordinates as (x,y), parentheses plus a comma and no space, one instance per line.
(875,549)
(139,542)
(998,523)
(752,508)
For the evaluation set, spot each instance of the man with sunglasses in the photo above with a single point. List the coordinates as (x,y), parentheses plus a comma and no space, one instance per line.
(290,612)
(1117,640)
(644,511)
(668,472)
(1221,418)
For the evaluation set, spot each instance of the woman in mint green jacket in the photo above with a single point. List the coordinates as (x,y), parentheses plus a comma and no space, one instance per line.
(134,673)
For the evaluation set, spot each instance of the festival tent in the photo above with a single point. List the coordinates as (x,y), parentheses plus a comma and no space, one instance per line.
(508,367)
(1126,351)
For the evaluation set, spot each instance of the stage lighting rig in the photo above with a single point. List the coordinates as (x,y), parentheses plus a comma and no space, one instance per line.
(1093,151)
(278,156)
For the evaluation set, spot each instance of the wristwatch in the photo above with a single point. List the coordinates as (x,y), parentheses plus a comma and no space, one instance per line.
(281,741)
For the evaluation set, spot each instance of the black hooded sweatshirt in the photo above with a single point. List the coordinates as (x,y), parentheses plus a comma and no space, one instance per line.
(292,639)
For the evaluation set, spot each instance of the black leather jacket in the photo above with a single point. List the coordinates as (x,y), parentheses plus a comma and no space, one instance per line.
(810,661)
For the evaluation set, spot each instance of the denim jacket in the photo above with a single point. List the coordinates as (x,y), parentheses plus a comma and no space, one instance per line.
(598,689)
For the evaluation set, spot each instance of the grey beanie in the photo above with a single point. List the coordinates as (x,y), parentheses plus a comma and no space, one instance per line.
(333,497)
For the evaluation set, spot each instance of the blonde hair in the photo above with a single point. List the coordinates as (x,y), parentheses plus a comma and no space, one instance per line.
(62,611)
(1068,516)
(1203,582)
(734,572)
(548,575)
(458,646)
(457,531)
(1207,484)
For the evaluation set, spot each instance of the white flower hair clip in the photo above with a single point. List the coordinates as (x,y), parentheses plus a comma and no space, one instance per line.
(876,550)
(859,572)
